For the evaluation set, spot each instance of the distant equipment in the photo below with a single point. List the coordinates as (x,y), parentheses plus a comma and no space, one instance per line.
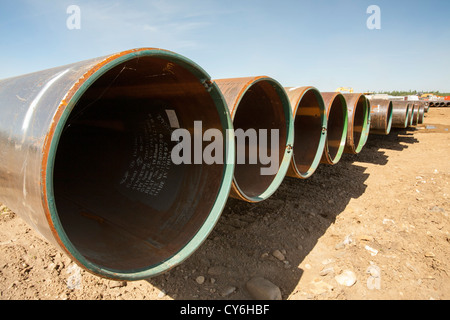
(344,89)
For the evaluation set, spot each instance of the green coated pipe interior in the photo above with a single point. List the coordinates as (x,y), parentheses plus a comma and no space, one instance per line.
(336,138)
(121,207)
(407,116)
(264,105)
(310,122)
(361,123)
(411,115)
(389,118)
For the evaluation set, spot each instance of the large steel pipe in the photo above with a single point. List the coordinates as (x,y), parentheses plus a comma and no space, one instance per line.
(310,127)
(422,105)
(259,107)
(358,122)
(86,159)
(380,116)
(418,114)
(421,114)
(337,126)
(400,114)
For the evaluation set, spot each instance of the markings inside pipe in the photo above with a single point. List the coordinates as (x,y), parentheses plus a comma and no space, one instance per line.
(252,147)
(150,165)
(173,119)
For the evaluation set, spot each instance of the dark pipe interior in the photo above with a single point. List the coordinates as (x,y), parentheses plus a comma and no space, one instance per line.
(261,107)
(359,115)
(336,122)
(308,130)
(121,200)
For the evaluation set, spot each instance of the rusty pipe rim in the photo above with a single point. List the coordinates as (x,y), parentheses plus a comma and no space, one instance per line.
(369,121)
(310,130)
(259,103)
(411,114)
(416,115)
(337,126)
(407,109)
(359,122)
(421,115)
(181,252)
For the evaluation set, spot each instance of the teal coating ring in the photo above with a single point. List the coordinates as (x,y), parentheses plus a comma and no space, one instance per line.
(284,166)
(221,197)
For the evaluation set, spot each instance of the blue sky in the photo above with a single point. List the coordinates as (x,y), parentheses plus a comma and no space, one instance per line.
(324,43)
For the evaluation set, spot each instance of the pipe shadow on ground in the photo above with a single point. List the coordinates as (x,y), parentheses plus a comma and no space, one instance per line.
(397,140)
(240,246)
(293,219)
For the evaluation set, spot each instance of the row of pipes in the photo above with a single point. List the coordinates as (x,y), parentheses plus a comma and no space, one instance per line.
(438,103)
(86,152)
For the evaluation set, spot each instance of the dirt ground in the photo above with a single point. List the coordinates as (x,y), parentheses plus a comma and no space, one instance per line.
(382,214)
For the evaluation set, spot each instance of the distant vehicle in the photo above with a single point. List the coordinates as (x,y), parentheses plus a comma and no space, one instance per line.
(428,96)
